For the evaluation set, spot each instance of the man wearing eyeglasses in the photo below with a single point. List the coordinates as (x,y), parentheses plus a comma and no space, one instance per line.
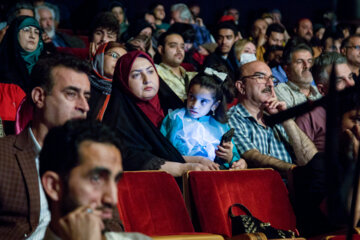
(298,60)
(350,48)
(259,144)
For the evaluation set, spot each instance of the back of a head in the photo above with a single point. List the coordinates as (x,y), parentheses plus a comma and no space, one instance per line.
(60,152)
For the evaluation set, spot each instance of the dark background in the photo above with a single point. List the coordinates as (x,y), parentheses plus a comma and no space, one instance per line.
(77,14)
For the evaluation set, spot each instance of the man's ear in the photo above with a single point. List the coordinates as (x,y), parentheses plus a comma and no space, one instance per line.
(240,86)
(51,183)
(322,88)
(343,51)
(160,49)
(38,96)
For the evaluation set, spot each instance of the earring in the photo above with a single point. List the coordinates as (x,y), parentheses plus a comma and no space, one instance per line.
(213,112)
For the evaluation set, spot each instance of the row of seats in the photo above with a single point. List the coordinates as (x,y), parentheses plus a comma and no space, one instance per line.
(151,202)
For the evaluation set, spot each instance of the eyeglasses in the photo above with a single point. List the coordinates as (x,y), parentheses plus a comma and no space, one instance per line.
(262,78)
(356,47)
(113,55)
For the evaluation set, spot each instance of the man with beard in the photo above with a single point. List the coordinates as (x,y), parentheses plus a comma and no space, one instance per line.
(350,48)
(261,145)
(298,60)
(80,166)
(171,48)
(226,36)
(46,19)
(304,29)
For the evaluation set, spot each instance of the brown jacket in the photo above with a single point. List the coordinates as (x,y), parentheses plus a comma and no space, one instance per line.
(19,187)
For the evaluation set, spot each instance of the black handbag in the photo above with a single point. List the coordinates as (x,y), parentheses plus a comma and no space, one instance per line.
(250,224)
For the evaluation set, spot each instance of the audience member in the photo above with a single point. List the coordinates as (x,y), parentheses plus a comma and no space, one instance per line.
(298,60)
(159,12)
(261,145)
(331,41)
(105,28)
(103,66)
(273,56)
(80,167)
(46,16)
(245,50)
(180,13)
(60,92)
(19,52)
(350,48)
(134,111)
(274,37)
(196,130)
(171,48)
(314,123)
(22,8)
(304,29)
(258,32)
(119,11)
(226,36)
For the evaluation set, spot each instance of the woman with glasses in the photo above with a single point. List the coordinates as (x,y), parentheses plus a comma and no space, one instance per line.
(103,63)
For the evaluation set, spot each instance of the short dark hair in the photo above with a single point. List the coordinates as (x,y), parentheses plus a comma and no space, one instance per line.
(274,27)
(226,25)
(345,42)
(321,63)
(14,11)
(60,152)
(330,33)
(41,75)
(163,36)
(106,20)
(295,44)
(185,30)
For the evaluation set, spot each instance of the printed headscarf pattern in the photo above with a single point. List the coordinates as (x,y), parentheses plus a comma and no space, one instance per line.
(151,108)
(100,81)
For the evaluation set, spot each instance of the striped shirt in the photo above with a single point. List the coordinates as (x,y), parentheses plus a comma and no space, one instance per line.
(249,134)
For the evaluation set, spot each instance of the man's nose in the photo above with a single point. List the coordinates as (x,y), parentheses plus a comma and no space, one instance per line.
(83,105)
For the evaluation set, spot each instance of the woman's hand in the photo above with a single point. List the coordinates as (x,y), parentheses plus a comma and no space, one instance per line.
(203,161)
(225,151)
(240,164)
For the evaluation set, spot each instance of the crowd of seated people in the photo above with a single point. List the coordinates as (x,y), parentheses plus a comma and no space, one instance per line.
(167,91)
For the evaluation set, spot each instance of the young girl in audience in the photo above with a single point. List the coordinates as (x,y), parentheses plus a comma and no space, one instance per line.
(196,130)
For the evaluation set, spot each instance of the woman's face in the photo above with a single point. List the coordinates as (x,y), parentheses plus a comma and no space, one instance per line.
(143,79)
(110,58)
(119,14)
(249,48)
(159,12)
(29,38)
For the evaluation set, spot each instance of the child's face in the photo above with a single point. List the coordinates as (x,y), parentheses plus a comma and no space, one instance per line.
(200,101)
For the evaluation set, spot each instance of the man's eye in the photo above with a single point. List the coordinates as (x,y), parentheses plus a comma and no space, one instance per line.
(261,77)
(95,178)
(70,94)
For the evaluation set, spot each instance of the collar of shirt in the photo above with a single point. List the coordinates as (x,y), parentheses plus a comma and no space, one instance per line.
(182,70)
(37,146)
(243,111)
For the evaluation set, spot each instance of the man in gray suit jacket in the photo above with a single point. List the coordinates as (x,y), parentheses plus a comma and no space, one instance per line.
(61,92)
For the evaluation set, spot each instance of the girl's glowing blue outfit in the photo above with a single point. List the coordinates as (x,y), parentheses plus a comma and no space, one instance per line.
(195,137)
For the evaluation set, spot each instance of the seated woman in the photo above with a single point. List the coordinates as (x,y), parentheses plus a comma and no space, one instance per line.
(134,112)
(19,51)
(197,129)
(103,63)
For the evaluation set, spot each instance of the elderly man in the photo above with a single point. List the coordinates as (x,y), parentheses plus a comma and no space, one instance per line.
(46,18)
(171,49)
(350,48)
(298,60)
(259,144)
(61,92)
(80,166)
(314,122)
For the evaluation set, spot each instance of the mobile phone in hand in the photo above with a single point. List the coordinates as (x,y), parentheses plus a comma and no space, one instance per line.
(227,136)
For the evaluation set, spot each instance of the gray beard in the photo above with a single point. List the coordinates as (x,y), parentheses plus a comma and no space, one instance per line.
(51,32)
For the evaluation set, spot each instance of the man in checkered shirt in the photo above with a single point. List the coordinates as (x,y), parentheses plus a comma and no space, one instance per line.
(261,145)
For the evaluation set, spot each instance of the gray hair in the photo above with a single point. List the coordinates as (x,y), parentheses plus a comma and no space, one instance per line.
(37,15)
(321,64)
(185,13)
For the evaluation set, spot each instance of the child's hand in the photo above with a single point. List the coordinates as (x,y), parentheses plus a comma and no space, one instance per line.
(240,164)
(225,151)
(203,161)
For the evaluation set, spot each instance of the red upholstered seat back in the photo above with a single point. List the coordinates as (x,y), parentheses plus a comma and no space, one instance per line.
(262,191)
(151,202)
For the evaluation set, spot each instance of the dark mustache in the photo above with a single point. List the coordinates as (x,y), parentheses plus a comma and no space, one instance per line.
(267,89)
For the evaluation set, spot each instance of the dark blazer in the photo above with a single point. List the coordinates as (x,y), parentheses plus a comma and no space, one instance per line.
(19,187)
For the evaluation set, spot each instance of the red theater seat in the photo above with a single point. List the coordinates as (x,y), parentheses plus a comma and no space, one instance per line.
(151,202)
(262,191)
